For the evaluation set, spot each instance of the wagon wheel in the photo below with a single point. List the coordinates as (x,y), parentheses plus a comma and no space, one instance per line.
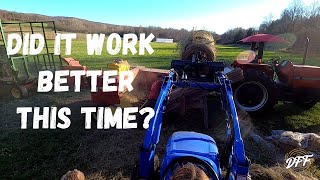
(19,92)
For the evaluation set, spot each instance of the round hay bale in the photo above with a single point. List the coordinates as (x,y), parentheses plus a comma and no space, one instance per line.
(201,36)
(199,41)
(193,48)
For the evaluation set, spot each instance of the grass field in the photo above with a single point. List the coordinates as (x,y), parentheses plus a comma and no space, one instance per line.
(164,53)
(39,154)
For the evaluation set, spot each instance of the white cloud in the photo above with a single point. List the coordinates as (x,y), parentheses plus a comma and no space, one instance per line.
(245,16)
(308,2)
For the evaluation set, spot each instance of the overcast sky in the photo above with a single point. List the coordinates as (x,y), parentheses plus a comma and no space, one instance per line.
(213,15)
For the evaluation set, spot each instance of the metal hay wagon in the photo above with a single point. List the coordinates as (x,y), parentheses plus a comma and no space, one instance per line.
(19,73)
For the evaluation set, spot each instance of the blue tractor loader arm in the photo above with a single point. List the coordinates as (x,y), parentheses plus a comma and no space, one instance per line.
(238,163)
(148,148)
(190,146)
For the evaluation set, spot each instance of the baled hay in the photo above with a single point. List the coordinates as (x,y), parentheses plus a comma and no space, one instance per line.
(198,41)
(193,48)
(201,36)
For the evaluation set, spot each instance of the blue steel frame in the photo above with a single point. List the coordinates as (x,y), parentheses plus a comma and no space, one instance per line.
(238,163)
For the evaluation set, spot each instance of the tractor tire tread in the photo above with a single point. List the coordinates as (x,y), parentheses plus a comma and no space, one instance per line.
(267,82)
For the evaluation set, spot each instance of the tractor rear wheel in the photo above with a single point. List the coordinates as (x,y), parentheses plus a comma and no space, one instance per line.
(19,92)
(256,93)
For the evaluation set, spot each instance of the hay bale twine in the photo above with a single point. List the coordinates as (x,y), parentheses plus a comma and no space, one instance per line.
(199,41)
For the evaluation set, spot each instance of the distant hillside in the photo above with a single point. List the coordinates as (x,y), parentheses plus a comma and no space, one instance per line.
(72,24)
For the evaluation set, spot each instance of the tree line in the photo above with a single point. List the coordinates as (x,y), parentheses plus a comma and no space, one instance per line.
(297,20)
(71,24)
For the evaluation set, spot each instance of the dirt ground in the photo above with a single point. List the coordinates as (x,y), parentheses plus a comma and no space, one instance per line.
(39,154)
(100,154)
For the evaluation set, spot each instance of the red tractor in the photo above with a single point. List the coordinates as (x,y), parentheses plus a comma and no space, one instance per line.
(266,84)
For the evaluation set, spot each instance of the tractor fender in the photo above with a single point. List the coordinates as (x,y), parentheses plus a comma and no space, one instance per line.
(266,68)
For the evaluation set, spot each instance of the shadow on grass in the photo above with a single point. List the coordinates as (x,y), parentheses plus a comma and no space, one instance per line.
(288,117)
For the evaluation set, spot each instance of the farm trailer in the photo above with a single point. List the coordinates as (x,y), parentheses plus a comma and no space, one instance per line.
(19,73)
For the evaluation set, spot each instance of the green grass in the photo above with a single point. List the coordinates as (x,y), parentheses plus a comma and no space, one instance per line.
(164,53)
(161,58)
(39,154)
(298,119)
